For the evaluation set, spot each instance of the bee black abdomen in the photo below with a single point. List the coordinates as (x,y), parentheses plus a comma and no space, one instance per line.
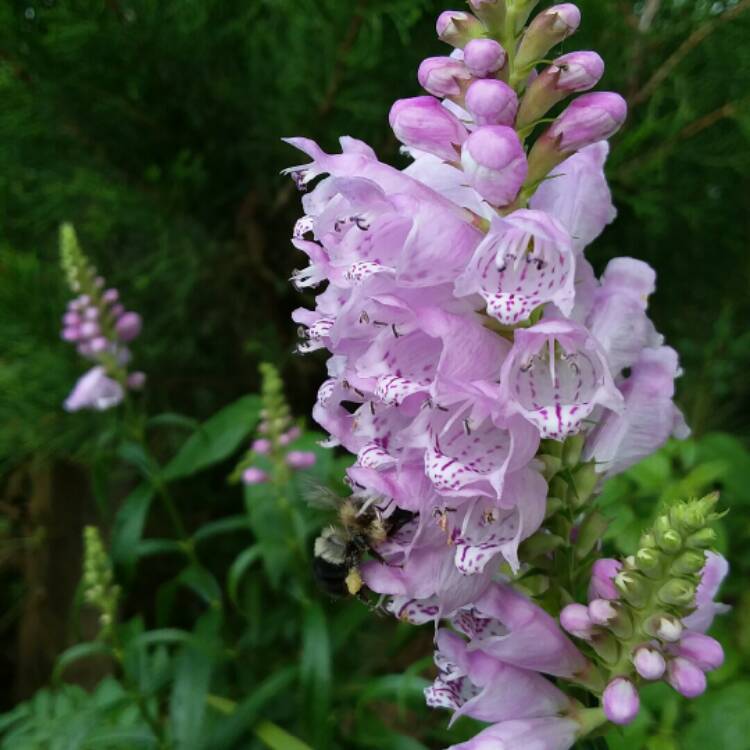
(331,577)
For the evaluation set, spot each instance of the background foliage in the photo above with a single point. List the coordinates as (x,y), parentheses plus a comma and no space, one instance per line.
(154,126)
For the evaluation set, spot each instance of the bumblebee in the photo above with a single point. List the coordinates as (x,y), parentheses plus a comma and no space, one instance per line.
(339,549)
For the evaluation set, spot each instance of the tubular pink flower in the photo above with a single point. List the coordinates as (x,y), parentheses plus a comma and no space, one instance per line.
(494,163)
(555,375)
(549,733)
(702,650)
(620,701)
(261,446)
(128,326)
(491,102)
(714,572)
(443,76)
(590,118)
(525,261)
(95,390)
(483,57)
(602,585)
(300,459)
(254,475)
(457,28)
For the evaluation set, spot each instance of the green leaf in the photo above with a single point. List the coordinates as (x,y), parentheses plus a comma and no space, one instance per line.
(77,652)
(237,571)
(315,672)
(150,547)
(722,720)
(128,526)
(161,636)
(202,582)
(169,419)
(216,439)
(276,738)
(222,526)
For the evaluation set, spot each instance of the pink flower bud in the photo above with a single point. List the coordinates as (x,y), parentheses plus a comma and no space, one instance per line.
(424,124)
(602,611)
(290,435)
(491,102)
(253,475)
(621,702)
(575,618)
(117,311)
(263,428)
(494,163)
(261,446)
(484,56)
(136,380)
(702,650)
(91,313)
(549,28)
(588,119)
(99,344)
(71,319)
(70,333)
(578,71)
(603,574)
(300,459)
(686,678)
(110,296)
(649,663)
(457,28)
(443,76)
(669,629)
(128,326)
(99,282)
(89,329)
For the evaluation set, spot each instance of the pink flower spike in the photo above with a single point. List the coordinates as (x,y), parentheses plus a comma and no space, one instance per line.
(443,76)
(649,663)
(494,162)
(620,701)
(300,459)
(483,57)
(261,446)
(575,618)
(253,475)
(702,650)
(423,123)
(686,678)
(491,102)
(128,326)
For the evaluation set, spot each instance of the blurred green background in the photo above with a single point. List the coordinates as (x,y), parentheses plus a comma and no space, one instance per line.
(154,126)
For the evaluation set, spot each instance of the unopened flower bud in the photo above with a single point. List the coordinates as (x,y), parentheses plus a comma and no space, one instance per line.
(491,102)
(457,28)
(424,124)
(678,592)
(632,587)
(703,539)
(483,57)
(71,333)
(89,329)
(649,663)
(602,611)
(588,119)
(494,163)
(571,73)
(300,459)
(117,311)
(290,435)
(670,541)
(492,12)
(98,344)
(576,620)
(549,28)
(253,475)
(702,650)
(128,326)
(261,446)
(602,584)
(91,313)
(136,380)
(620,701)
(443,76)
(648,561)
(686,678)
(688,563)
(71,319)
(666,628)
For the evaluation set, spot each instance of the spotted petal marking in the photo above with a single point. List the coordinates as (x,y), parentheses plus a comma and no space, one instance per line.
(362,270)
(393,390)
(472,624)
(373,456)
(414,611)
(451,693)
(482,539)
(303,226)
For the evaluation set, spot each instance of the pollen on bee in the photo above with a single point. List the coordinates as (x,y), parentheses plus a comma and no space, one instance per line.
(354,582)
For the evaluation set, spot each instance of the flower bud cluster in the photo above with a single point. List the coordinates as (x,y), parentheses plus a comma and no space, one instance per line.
(647,616)
(481,374)
(492,101)
(99,589)
(101,328)
(276,435)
